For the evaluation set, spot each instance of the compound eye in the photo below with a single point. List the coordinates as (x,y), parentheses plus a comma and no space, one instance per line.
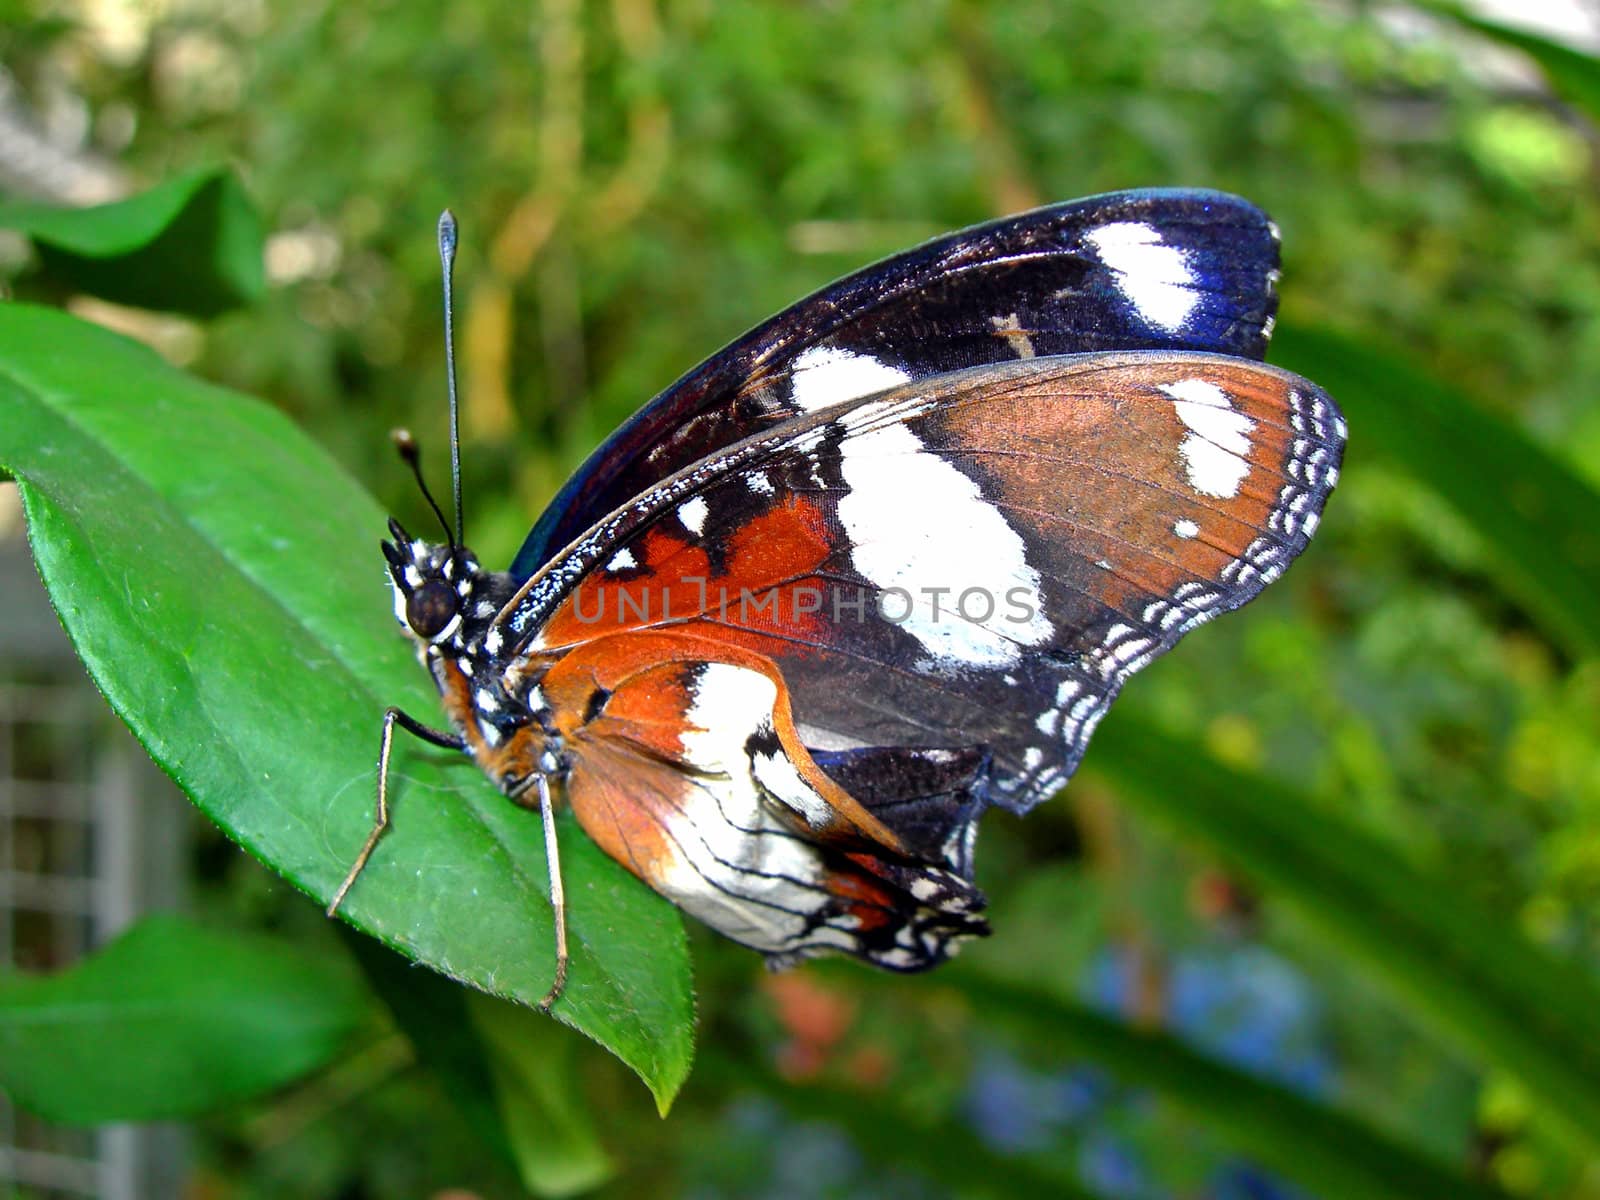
(430,608)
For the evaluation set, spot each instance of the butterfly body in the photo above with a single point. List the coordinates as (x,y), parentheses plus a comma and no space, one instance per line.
(679,757)
(884,563)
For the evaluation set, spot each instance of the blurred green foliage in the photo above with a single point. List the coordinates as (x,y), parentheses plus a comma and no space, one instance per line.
(259,1017)
(191,245)
(640,180)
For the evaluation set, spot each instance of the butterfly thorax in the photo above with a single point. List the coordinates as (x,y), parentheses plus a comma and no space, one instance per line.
(447,602)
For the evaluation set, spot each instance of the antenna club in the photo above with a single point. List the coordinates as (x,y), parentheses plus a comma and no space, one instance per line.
(447,236)
(405,444)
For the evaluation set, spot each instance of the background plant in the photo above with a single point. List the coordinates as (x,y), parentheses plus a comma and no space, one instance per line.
(1344,842)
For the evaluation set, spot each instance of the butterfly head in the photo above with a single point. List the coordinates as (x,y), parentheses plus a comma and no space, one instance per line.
(442,595)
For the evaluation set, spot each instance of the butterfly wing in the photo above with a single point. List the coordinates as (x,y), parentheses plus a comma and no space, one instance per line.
(1172,268)
(979,560)
(683,763)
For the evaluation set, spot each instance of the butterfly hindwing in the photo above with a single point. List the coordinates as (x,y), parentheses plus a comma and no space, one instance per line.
(684,765)
(1160,268)
(977,561)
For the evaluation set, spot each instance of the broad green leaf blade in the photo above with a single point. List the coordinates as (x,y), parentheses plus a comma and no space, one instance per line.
(1459,971)
(219,576)
(171,1020)
(1535,514)
(191,245)
(552,1136)
(1333,1155)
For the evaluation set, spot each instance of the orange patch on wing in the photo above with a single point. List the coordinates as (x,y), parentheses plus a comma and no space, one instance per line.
(770,577)
(872,903)
(766,587)
(642,678)
(787,541)
(665,584)
(625,800)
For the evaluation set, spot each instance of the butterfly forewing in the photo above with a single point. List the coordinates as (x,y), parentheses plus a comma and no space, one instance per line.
(1169,268)
(975,562)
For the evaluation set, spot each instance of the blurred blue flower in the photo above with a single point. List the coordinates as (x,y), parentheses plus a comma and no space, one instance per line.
(1112,1168)
(1241,1181)
(1241,1003)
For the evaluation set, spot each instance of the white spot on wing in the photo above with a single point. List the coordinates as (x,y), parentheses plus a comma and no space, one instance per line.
(917,523)
(1155,277)
(622,560)
(737,866)
(1185,528)
(728,704)
(1215,449)
(824,376)
(693,514)
(778,775)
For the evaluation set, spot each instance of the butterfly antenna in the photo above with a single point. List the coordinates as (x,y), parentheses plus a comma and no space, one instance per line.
(412,457)
(447,261)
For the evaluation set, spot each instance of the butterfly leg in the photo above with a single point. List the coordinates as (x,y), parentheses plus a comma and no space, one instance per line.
(558,900)
(391,718)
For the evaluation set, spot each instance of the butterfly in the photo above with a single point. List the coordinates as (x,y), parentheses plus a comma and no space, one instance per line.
(879,565)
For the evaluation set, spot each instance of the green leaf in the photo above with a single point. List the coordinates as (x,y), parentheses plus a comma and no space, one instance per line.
(507,1072)
(1332,1154)
(190,245)
(171,1020)
(432,1013)
(218,575)
(1458,970)
(1538,518)
(552,1136)
(1573,75)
